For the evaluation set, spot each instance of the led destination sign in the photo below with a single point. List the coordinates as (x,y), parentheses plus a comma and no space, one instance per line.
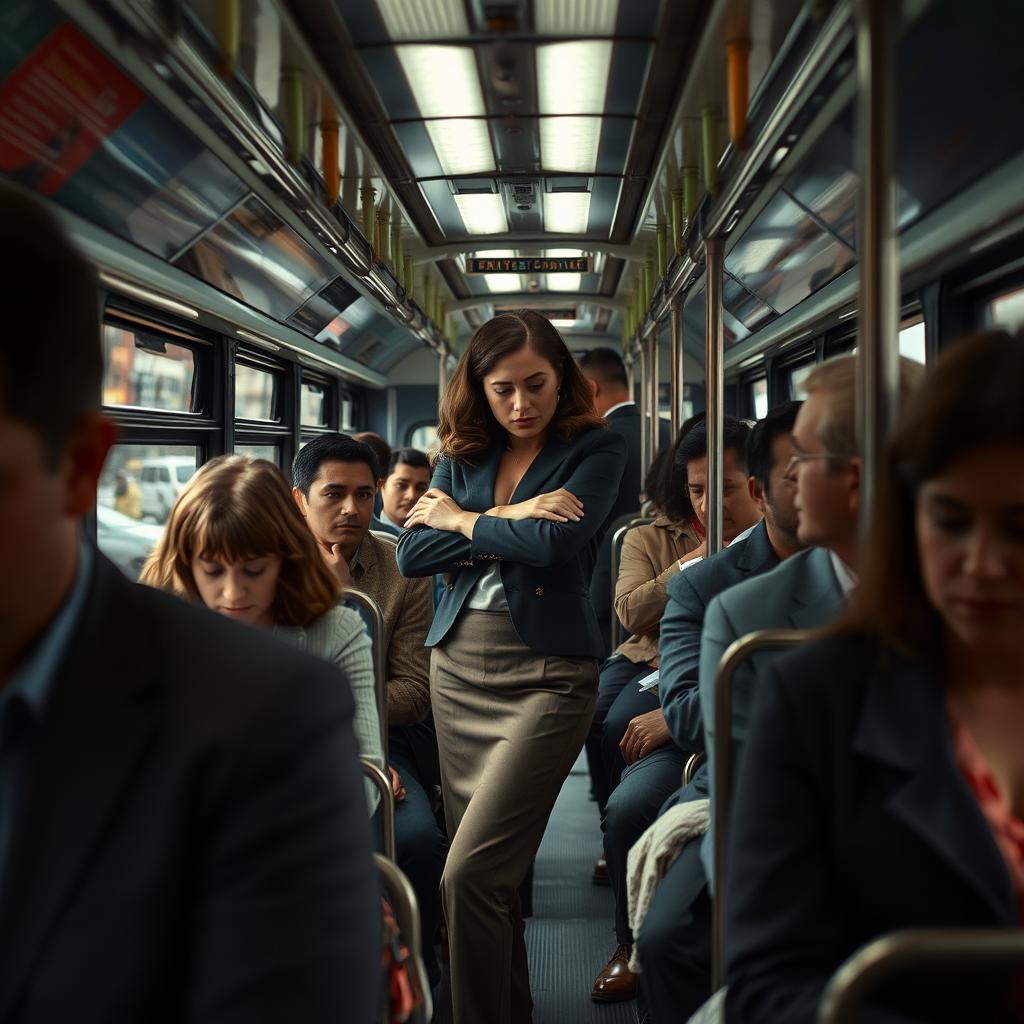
(529,265)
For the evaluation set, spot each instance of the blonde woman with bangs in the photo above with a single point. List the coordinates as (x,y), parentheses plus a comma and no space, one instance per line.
(236,543)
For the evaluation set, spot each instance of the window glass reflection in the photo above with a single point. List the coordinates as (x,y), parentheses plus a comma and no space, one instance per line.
(270,452)
(143,370)
(255,393)
(314,405)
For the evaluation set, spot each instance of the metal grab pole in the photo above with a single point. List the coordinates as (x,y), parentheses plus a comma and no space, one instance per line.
(878,301)
(676,369)
(644,400)
(721,768)
(380,670)
(945,948)
(654,382)
(387,806)
(714,387)
(442,374)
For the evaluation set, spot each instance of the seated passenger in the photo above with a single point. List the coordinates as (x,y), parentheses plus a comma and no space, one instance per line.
(164,770)
(408,478)
(235,542)
(382,451)
(882,786)
(635,733)
(674,944)
(335,481)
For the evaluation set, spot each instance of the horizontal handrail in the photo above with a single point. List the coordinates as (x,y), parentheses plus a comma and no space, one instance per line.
(735,655)
(946,948)
(387,805)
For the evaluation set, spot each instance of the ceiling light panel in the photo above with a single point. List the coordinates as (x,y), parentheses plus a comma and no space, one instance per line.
(444,80)
(572,78)
(570,143)
(424,19)
(564,282)
(500,282)
(482,214)
(575,17)
(462,146)
(567,213)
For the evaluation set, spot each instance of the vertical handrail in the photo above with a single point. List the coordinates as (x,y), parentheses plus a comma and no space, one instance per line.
(403,901)
(387,805)
(380,669)
(715,389)
(442,373)
(654,382)
(945,948)
(645,455)
(735,655)
(677,368)
(877,252)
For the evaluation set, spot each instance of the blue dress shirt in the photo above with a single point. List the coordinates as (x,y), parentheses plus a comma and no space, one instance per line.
(23,701)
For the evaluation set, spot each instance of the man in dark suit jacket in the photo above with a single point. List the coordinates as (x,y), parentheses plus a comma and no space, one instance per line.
(604,369)
(183,833)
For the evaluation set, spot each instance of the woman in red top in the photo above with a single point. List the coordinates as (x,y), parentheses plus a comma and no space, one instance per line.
(883,784)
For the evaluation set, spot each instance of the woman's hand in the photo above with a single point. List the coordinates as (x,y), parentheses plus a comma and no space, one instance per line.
(559,506)
(439,511)
(397,786)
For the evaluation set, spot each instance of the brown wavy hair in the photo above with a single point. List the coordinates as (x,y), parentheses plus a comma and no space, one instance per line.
(973,398)
(238,508)
(468,426)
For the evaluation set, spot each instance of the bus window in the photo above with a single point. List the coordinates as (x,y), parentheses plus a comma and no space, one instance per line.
(797,377)
(1006,310)
(255,394)
(759,398)
(270,452)
(313,405)
(142,369)
(424,438)
(912,339)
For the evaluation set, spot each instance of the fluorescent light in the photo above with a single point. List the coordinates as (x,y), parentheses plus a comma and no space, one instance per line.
(462,146)
(578,18)
(563,323)
(564,282)
(483,214)
(567,213)
(570,143)
(258,339)
(443,79)
(424,19)
(572,78)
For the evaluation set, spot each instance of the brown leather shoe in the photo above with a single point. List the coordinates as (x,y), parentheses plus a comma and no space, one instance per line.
(616,981)
(600,875)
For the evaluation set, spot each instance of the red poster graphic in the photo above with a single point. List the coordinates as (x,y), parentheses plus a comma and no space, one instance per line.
(58,106)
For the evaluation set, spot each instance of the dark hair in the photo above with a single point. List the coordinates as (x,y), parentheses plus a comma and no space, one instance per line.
(605,365)
(379,446)
(777,421)
(51,362)
(670,494)
(408,457)
(330,448)
(468,426)
(974,397)
(694,443)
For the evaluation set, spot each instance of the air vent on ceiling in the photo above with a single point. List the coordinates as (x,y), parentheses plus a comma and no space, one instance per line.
(567,183)
(524,195)
(473,186)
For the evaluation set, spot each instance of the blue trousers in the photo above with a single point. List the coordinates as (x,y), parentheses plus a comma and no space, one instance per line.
(617,675)
(674,944)
(634,804)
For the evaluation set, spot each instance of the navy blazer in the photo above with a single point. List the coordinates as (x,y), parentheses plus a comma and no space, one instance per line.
(545,566)
(689,593)
(191,840)
(851,820)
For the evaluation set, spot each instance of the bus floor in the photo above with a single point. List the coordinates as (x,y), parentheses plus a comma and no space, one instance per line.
(571,934)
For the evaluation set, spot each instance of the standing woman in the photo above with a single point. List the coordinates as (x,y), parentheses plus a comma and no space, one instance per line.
(236,542)
(515,515)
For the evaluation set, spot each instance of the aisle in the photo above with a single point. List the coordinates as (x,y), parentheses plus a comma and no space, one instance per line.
(571,933)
